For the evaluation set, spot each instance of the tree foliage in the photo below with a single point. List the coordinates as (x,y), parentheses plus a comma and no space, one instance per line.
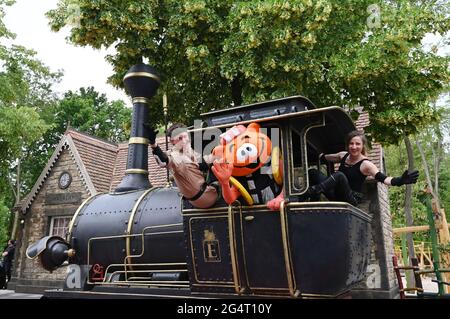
(396,161)
(90,112)
(215,53)
(4,222)
(33,118)
(430,139)
(85,110)
(25,88)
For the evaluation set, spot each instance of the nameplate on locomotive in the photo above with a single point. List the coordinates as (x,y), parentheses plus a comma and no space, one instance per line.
(211,247)
(64,198)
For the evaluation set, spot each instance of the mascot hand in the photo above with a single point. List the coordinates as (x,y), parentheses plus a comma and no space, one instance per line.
(222,171)
(275,203)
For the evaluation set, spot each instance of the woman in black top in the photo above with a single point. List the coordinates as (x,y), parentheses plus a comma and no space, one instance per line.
(346,183)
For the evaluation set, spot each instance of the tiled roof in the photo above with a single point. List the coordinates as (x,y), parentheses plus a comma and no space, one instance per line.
(106,162)
(120,165)
(375,153)
(66,142)
(363,119)
(98,157)
(157,176)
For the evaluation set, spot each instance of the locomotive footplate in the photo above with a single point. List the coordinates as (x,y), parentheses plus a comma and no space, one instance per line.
(115,292)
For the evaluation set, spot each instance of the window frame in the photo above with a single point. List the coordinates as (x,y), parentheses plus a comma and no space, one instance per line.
(52,225)
(291,190)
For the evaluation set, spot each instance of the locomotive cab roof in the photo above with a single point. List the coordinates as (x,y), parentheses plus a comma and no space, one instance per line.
(329,135)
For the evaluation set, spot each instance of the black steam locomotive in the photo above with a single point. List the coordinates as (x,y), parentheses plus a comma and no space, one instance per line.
(144,241)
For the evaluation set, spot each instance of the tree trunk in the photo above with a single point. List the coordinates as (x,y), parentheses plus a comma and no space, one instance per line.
(433,191)
(437,162)
(17,201)
(408,198)
(408,212)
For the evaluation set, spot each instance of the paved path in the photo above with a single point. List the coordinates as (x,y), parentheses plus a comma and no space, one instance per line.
(428,286)
(10,294)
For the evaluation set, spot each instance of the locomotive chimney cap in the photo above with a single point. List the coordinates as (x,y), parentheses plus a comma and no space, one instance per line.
(142,80)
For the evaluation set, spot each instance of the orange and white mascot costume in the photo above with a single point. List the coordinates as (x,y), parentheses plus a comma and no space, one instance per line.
(246,168)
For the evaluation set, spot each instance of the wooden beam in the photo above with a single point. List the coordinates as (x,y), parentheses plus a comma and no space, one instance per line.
(444,236)
(444,232)
(410,229)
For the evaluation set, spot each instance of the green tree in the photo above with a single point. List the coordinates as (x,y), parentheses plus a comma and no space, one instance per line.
(396,161)
(25,88)
(4,222)
(85,110)
(433,146)
(90,112)
(434,143)
(215,53)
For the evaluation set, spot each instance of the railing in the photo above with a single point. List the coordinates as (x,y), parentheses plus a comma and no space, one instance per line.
(422,251)
(397,268)
(418,281)
(138,274)
(437,229)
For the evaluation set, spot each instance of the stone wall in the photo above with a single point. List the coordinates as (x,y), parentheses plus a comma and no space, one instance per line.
(37,223)
(380,281)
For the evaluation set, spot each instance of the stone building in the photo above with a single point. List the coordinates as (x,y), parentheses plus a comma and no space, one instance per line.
(83,165)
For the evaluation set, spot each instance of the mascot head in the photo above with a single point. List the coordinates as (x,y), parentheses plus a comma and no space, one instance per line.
(246,148)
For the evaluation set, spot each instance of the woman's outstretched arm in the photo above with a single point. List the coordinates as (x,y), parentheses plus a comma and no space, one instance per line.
(368,168)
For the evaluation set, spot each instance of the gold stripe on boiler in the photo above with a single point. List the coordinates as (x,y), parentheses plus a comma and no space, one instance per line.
(139,140)
(142,100)
(136,171)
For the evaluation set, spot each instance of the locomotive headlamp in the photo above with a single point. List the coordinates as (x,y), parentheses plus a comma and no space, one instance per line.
(52,251)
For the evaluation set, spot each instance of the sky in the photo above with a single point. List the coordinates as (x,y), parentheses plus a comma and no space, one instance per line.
(82,66)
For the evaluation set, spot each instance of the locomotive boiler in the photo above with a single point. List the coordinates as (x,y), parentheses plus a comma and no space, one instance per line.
(145,241)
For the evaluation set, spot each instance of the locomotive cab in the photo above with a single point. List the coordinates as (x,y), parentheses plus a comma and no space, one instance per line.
(307,249)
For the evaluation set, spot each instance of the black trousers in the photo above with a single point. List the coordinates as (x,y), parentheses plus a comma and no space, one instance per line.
(7,268)
(335,187)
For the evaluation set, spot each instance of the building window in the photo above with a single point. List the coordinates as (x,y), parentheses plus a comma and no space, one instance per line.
(59,226)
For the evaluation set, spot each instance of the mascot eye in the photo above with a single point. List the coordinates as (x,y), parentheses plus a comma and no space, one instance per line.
(245,151)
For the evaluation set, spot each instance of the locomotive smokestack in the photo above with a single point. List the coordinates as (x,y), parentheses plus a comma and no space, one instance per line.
(141,81)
